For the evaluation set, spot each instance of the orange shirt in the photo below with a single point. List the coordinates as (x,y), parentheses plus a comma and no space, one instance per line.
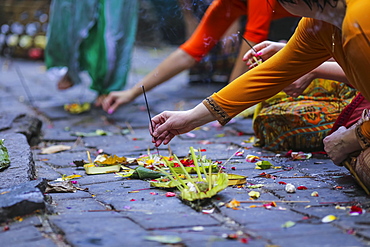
(313,43)
(222,13)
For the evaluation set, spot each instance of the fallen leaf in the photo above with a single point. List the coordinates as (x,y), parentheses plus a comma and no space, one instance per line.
(55,149)
(288,224)
(254,194)
(164,239)
(262,165)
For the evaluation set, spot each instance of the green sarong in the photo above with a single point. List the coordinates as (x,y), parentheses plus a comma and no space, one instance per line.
(96,36)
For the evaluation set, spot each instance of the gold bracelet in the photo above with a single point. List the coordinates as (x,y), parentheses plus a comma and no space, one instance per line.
(364,142)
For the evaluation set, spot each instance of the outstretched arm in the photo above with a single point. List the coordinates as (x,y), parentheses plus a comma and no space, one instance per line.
(175,63)
(168,124)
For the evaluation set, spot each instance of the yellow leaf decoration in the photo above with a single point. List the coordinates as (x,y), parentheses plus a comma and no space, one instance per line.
(104,159)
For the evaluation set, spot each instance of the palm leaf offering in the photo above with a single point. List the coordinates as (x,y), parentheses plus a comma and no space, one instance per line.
(104,164)
(167,183)
(204,185)
(4,156)
(152,161)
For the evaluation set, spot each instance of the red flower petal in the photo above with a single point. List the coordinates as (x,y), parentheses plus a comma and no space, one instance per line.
(301,188)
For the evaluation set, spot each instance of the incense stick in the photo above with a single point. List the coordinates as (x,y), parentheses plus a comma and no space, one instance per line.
(147,108)
(249,44)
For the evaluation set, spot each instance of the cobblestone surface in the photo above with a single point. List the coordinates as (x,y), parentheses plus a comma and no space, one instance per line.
(106,213)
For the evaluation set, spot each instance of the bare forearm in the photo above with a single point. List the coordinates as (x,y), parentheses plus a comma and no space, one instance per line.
(174,64)
(331,71)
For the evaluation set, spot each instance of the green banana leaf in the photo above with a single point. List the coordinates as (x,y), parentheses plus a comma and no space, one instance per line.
(221,183)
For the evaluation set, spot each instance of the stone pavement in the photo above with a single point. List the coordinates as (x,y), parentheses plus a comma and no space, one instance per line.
(105,213)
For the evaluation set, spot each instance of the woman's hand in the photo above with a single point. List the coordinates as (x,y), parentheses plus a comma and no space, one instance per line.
(117,98)
(168,124)
(265,50)
(341,143)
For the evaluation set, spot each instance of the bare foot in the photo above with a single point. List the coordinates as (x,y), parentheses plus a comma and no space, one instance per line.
(99,100)
(65,83)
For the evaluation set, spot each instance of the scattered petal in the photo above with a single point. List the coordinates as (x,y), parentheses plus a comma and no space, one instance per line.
(191,135)
(300,155)
(255,186)
(356,210)
(243,240)
(290,188)
(208,211)
(281,182)
(170,194)
(301,188)
(254,194)
(340,207)
(328,218)
(315,193)
(239,153)
(288,224)
(198,228)
(251,158)
(234,204)
(164,239)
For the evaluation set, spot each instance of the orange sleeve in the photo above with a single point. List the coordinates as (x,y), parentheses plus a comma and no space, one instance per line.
(260,14)
(217,19)
(302,54)
(356,45)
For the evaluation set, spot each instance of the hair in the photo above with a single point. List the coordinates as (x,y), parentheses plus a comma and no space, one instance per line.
(320,3)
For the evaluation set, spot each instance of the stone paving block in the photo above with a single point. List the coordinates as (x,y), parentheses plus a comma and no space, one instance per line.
(208,236)
(99,179)
(243,125)
(323,238)
(21,167)
(75,205)
(45,171)
(133,114)
(22,199)
(162,221)
(62,159)
(25,236)
(90,230)
(69,195)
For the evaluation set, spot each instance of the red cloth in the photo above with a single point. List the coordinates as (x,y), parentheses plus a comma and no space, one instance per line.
(352,113)
(222,13)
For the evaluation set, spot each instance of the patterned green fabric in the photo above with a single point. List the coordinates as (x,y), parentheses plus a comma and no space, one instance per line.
(96,36)
(300,124)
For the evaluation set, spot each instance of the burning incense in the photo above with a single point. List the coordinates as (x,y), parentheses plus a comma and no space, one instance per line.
(147,108)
